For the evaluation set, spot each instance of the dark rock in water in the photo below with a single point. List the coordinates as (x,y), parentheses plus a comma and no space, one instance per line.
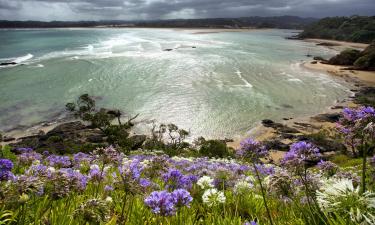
(296,37)
(286,106)
(328,117)
(8,139)
(168,50)
(267,122)
(286,119)
(314,62)
(337,107)
(137,141)
(8,63)
(279,127)
(193,47)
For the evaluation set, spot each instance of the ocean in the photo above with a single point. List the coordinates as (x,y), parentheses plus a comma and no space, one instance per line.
(214,84)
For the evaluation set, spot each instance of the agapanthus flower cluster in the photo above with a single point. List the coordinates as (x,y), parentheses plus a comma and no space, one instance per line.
(244,186)
(357,124)
(166,203)
(28,157)
(281,185)
(174,179)
(252,150)
(205,182)
(327,168)
(93,211)
(58,161)
(340,196)
(213,197)
(300,155)
(6,167)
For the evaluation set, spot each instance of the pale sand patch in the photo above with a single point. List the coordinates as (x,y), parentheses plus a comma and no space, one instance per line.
(341,45)
(216,30)
(367,77)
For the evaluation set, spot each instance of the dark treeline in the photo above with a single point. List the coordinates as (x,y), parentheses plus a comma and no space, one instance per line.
(354,29)
(286,22)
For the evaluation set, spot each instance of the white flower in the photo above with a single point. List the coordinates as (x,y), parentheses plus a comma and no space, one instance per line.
(109,199)
(242,187)
(340,196)
(205,182)
(94,166)
(213,197)
(51,169)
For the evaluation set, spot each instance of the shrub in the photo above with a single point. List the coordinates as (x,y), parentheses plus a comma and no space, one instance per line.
(214,148)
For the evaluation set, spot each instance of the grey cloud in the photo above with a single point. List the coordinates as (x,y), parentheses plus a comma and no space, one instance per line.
(162,9)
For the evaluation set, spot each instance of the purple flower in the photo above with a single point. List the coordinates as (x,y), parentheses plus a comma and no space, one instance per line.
(59,161)
(96,173)
(250,223)
(174,179)
(181,197)
(82,158)
(252,150)
(144,182)
(6,165)
(328,168)
(23,150)
(28,157)
(299,154)
(264,170)
(108,188)
(161,203)
(5,169)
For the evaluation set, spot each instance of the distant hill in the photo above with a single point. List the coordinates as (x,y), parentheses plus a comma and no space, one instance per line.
(355,29)
(284,22)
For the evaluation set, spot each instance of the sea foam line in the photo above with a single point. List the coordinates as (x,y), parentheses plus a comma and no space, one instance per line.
(247,84)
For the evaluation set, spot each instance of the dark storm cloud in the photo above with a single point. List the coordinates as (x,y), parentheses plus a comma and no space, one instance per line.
(166,9)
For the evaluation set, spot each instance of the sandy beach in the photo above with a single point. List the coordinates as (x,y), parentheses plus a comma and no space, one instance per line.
(216,30)
(261,133)
(356,77)
(337,45)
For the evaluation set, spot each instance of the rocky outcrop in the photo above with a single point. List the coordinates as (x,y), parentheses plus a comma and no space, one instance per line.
(345,58)
(280,128)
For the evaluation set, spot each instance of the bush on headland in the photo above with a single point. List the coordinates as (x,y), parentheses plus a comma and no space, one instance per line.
(168,181)
(354,29)
(364,60)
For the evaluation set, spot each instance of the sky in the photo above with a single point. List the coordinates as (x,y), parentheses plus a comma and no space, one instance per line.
(68,10)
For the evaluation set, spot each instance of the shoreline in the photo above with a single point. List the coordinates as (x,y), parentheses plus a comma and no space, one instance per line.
(311,124)
(359,79)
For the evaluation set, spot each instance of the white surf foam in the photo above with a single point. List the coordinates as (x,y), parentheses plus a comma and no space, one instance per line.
(239,74)
(24,58)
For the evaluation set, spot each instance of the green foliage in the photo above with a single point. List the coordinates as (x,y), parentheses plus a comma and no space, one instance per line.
(346,57)
(6,153)
(355,29)
(345,161)
(84,109)
(168,138)
(214,148)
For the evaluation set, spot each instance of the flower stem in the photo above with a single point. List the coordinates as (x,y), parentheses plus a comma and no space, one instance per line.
(263,194)
(364,161)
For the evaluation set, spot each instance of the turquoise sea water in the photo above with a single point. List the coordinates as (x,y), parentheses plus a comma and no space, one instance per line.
(216,85)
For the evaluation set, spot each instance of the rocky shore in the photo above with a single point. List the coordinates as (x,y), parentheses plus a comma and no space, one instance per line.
(65,136)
